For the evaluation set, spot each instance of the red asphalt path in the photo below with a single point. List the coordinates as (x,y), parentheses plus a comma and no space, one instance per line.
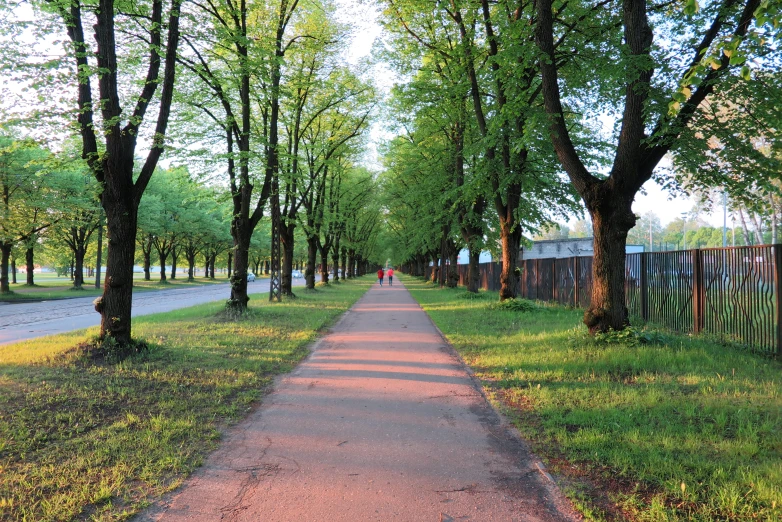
(381,422)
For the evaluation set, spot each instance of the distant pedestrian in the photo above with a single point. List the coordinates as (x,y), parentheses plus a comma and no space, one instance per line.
(380,276)
(390,276)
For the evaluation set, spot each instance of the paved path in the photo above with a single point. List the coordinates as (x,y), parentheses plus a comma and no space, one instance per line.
(21,321)
(381,422)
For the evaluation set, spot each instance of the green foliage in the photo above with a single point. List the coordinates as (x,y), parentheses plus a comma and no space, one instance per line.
(631,336)
(516,304)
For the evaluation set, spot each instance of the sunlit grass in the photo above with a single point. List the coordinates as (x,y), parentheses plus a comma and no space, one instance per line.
(50,286)
(679,429)
(98,442)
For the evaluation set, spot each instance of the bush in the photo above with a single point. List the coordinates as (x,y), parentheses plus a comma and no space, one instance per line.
(515,305)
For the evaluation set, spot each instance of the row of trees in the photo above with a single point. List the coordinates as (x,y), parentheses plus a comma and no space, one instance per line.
(254,97)
(505,96)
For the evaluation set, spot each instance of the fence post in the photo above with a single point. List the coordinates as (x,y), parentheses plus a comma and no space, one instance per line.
(537,279)
(778,295)
(576,277)
(697,291)
(644,287)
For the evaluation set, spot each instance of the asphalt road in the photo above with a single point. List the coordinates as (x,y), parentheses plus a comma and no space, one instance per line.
(21,321)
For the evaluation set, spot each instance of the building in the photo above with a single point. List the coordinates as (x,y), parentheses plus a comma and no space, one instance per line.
(560,248)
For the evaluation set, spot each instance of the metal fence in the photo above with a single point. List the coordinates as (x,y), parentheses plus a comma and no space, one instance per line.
(732,293)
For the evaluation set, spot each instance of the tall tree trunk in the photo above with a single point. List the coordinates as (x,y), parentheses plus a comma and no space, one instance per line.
(747,237)
(230,263)
(147,262)
(78,255)
(174,256)
(287,240)
(212,267)
(511,243)
(5,255)
(13,270)
(162,257)
(324,265)
(241,261)
(351,263)
(453,267)
(335,262)
(312,252)
(29,258)
(121,217)
(191,261)
(611,221)
(344,256)
(99,256)
(474,271)
(758,226)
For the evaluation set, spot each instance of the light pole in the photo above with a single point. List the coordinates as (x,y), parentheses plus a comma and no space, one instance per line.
(684,230)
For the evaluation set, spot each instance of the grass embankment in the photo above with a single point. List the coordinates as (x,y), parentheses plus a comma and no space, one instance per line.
(49,286)
(650,427)
(99,441)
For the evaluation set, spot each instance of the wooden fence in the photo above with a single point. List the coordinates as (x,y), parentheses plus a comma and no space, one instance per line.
(732,293)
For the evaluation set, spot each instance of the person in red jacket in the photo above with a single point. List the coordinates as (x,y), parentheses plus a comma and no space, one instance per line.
(380,276)
(390,274)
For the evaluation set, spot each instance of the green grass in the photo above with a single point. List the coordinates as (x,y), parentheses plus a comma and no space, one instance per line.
(646,427)
(49,286)
(99,442)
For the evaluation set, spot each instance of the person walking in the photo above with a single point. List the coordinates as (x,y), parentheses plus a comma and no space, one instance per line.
(390,273)
(380,276)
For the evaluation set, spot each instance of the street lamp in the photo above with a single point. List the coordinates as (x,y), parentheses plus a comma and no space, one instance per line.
(684,230)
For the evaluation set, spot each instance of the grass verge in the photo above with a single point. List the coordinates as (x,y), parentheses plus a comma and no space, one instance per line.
(642,427)
(61,288)
(99,442)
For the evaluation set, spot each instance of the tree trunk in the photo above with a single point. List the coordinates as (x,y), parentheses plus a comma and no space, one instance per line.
(241,261)
(191,261)
(287,240)
(212,267)
(147,263)
(324,265)
(29,258)
(747,240)
(610,224)
(162,257)
(99,256)
(511,243)
(5,255)
(78,279)
(335,262)
(13,270)
(174,256)
(230,262)
(474,271)
(345,263)
(116,303)
(453,267)
(351,263)
(206,266)
(312,253)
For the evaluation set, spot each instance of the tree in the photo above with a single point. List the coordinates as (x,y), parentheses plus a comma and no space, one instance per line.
(655,109)
(113,60)
(24,199)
